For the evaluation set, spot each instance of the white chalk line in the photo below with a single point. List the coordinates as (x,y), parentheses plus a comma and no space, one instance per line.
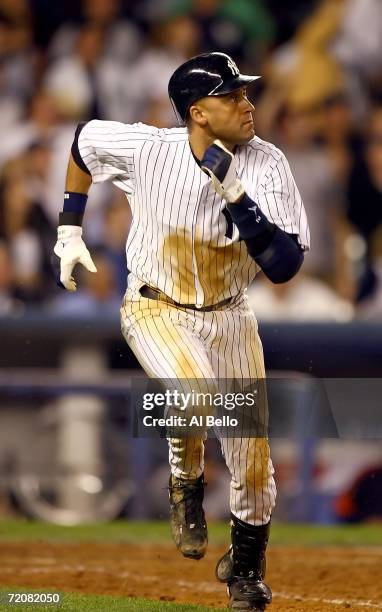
(204,586)
(334,602)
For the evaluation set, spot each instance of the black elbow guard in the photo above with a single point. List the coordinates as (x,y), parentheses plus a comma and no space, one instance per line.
(281,259)
(75,150)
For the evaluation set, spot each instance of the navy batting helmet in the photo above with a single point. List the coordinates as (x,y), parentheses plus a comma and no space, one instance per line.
(208,74)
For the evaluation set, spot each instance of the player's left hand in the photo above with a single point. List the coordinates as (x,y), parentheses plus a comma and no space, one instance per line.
(70,250)
(219,163)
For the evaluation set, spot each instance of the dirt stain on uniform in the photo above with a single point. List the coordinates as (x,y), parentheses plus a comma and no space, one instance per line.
(177,251)
(213,264)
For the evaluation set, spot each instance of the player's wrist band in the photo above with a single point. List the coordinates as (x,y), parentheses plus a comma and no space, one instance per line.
(74,208)
(70,218)
(75,202)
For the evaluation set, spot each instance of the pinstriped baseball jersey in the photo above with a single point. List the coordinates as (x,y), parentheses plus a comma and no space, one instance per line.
(182,240)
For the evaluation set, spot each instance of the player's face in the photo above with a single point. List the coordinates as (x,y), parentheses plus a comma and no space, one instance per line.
(229,117)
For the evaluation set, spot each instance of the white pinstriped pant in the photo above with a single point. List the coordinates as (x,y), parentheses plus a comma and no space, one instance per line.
(173,343)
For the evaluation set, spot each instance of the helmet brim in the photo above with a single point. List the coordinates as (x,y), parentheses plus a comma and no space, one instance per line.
(237,82)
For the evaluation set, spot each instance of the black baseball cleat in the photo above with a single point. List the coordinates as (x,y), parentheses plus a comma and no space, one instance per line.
(243,567)
(224,567)
(248,594)
(188,523)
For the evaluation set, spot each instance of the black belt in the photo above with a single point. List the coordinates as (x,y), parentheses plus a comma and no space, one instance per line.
(154,294)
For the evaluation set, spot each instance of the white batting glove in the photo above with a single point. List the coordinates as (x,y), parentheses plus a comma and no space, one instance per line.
(219,163)
(71,250)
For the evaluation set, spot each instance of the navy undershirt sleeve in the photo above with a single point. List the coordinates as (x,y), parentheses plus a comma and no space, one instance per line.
(277,253)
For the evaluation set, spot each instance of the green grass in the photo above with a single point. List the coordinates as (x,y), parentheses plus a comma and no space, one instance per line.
(326,535)
(158,531)
(75,602)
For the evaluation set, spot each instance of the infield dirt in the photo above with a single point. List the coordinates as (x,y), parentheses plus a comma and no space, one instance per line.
(315,579)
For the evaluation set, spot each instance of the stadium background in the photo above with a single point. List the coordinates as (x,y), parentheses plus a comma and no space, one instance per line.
(66,451)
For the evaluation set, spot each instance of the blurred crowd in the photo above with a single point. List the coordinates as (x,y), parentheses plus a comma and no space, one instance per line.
(319,100)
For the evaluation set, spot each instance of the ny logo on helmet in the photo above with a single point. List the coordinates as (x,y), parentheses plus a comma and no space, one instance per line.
(232,66)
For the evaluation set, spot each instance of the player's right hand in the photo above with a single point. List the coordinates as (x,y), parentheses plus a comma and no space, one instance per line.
(219,163)
(70,250)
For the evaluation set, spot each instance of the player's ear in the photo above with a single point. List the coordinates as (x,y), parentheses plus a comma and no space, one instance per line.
(197,114)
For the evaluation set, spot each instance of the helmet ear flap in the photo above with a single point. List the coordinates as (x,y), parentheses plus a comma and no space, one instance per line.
(179,119)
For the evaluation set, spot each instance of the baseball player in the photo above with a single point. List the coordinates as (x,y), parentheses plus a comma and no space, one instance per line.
(212,205)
